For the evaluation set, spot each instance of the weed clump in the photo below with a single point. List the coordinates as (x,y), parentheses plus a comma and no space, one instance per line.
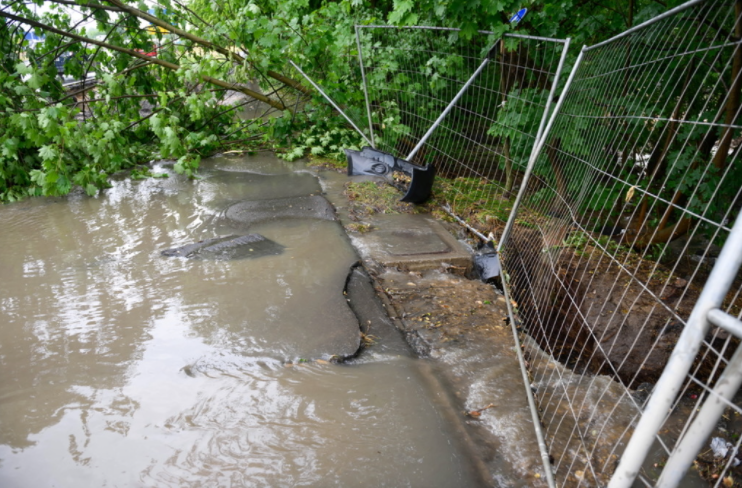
(377,197)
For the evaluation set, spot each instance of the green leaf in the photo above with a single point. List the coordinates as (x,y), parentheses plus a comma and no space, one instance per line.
(48,153)
(22,69)
(63,185)
(38,177)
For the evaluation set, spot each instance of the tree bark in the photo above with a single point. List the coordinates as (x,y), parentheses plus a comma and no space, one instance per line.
(732,106)
(509,176)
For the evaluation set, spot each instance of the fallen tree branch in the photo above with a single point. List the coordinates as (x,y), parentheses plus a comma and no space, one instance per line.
(199,40)
(154,60)
(89,5)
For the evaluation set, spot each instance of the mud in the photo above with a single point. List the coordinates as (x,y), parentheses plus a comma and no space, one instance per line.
(589,297)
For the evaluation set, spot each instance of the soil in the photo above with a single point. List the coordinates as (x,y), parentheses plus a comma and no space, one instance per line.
(619,320)
(590,308)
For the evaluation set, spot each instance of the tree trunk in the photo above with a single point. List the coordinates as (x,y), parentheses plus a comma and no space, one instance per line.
(552,152)
(732,106)
(509,175)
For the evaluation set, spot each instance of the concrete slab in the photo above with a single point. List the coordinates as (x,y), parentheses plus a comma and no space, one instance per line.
(412,242)
(415,242)
(305,207)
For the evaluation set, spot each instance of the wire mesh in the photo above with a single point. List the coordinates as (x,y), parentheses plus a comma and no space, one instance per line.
(482,146)
(628,205)
(629,202)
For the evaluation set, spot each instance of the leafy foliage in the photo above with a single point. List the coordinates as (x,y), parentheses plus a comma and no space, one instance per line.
(139,111)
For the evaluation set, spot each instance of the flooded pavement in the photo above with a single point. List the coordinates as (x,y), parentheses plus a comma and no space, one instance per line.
(123,367)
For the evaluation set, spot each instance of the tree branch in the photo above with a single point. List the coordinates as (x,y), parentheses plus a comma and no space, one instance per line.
(89,5)
(226,52)
(132,52)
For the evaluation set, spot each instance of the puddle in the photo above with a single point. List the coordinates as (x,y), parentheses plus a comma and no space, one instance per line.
(123,367)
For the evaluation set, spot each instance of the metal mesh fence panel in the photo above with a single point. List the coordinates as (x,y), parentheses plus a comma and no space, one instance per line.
(630,200)
(479,144)
(626,200)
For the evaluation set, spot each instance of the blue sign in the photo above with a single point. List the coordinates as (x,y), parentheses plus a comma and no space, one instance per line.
(32,36)
(519,16)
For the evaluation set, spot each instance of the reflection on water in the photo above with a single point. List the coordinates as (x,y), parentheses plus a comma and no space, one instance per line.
(121,367)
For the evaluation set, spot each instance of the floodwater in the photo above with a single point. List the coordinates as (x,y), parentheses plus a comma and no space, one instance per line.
(123,367)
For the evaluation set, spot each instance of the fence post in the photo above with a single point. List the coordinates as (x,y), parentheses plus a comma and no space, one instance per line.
(450,105)
(365,89)
(704,424)
(535,154)
(545,117)
(332,102)
(680,362)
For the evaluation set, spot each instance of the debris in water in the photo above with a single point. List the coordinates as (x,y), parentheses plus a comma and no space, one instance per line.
(367,339)
(230,247)
(478,413)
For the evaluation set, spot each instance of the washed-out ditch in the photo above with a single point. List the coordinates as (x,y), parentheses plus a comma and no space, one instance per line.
(223,332)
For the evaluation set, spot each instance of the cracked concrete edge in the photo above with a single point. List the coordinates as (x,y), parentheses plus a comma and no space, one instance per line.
(418,344)
(373,267)
(447,405)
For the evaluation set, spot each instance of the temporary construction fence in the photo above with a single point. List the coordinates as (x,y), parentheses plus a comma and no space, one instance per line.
(620,253)
(627,200)
(436,98)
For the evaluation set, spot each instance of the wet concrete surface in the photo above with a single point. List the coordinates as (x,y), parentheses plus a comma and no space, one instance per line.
(461,326)
(410,241)
(458,326)
(249,213)
(413,242)
(227,248)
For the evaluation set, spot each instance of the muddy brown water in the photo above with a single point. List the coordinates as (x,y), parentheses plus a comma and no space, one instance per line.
(121,367)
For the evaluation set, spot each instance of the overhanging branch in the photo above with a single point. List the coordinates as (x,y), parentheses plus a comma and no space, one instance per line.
(136,54)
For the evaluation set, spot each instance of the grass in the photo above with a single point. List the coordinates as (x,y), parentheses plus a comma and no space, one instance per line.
(474,197)
(370,197)
(327,163)
(477,201)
